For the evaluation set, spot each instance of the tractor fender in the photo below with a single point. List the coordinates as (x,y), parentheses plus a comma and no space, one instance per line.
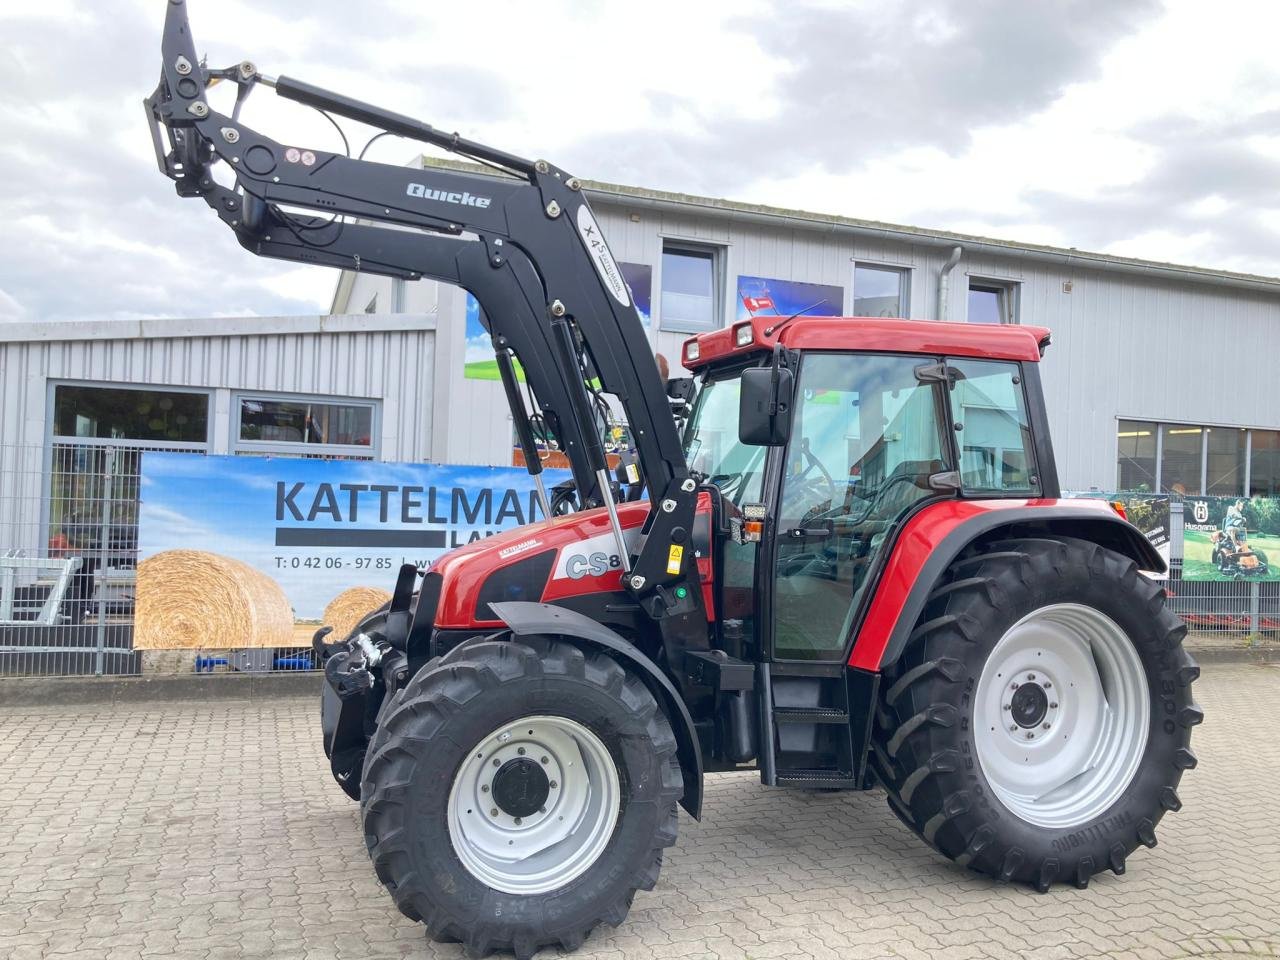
(932,538)
(545,618)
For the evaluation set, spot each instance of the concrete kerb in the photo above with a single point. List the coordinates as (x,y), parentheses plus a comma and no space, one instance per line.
(61,691)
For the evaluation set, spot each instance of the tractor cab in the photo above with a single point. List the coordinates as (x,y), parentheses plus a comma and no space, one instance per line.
(823,437)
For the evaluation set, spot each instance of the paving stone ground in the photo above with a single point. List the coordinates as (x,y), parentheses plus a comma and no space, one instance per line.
(203,830)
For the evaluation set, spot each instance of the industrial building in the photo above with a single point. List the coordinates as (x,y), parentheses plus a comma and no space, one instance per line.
(1157,379)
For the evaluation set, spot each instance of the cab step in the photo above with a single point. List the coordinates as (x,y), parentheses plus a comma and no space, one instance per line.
(832,779)
(810,715)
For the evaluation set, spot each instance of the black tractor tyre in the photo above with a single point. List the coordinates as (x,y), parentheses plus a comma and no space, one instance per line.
(450,708)
(925,750)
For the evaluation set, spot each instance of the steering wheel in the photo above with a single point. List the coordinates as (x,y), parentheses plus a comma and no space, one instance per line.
(811,463)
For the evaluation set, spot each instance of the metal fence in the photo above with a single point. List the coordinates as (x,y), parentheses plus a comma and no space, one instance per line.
(69,553)
(68,557)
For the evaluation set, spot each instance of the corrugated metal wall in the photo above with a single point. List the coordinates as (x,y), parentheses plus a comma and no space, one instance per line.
(1123,345)
(388,359)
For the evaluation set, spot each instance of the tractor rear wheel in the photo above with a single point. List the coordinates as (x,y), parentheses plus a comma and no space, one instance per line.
(1038,723)
(517,794)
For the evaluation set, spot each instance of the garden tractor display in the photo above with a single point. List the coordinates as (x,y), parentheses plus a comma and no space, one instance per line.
(1234,557)
(853,570)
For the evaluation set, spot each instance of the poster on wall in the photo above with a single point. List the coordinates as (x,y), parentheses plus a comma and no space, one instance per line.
(639,278)
(239,552)
(766,297)
(1149,514)
(478,362)
(1230,538)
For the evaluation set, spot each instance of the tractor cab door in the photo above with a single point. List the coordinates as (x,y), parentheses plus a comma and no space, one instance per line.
(868,442)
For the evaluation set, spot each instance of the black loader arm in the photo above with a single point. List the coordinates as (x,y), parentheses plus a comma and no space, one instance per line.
(526,245)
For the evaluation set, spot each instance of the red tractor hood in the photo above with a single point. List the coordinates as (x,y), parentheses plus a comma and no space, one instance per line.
(583,555)
(579,535)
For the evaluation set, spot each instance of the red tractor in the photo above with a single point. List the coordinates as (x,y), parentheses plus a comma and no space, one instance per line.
(853,569)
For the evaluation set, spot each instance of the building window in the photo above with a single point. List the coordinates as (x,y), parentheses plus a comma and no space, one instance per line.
(303,425)
(1181,458)
(692,291)
(992,301)
(1136,446)
(1264,463)
(131,414)
(879,291)
(1226,451)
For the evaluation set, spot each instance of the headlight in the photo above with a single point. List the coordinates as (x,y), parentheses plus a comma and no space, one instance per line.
(743,334)
(691,350)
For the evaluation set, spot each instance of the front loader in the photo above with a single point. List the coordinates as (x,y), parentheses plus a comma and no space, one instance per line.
(853,569)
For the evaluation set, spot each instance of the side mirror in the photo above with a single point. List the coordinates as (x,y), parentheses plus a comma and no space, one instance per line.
(764,406)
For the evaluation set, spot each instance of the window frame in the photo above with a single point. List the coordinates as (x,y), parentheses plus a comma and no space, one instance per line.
(1206,429)
(51,399)
(1031,448)
(238,446)
(1009,297)
(904,284)
(718,258)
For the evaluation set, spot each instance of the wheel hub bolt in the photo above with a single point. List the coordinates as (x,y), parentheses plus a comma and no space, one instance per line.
(552,784)
(1031,676)
(1008,706)
(497,762)
(484,788)
(1013,727)
(1054,705)
(544,759)
(1046,726)
(493,812)
(1030,735)
(1047,685)
(519,821)
(520,750)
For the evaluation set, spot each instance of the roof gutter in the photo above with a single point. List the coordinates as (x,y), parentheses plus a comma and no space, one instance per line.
(1066,258)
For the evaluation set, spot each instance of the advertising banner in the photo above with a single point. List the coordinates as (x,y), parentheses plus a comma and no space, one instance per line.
(257,551)
(479,364)
(765,297)
(1230,538)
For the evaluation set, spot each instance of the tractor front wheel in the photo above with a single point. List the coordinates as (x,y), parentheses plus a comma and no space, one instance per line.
(1039,721)
(517,794)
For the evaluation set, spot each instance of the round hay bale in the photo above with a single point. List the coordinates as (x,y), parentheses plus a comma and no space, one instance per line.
(189,599)
(347,609)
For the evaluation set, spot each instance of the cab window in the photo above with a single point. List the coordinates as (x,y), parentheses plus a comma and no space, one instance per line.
(988,405)
(866,440)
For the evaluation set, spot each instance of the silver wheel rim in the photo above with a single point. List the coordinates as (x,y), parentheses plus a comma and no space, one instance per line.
(1074,672)
(550,846)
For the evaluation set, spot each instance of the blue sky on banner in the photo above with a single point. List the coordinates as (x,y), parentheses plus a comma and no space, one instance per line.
(319,527)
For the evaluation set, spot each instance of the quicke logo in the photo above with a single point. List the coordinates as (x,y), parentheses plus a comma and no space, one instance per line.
(462,199)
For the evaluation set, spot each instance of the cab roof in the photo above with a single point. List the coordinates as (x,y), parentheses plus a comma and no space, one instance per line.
(866,334)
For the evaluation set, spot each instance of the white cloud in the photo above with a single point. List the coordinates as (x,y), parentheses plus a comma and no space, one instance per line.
(1154,131)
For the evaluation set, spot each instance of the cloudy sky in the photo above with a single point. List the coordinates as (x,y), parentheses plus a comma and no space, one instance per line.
(1133,127)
